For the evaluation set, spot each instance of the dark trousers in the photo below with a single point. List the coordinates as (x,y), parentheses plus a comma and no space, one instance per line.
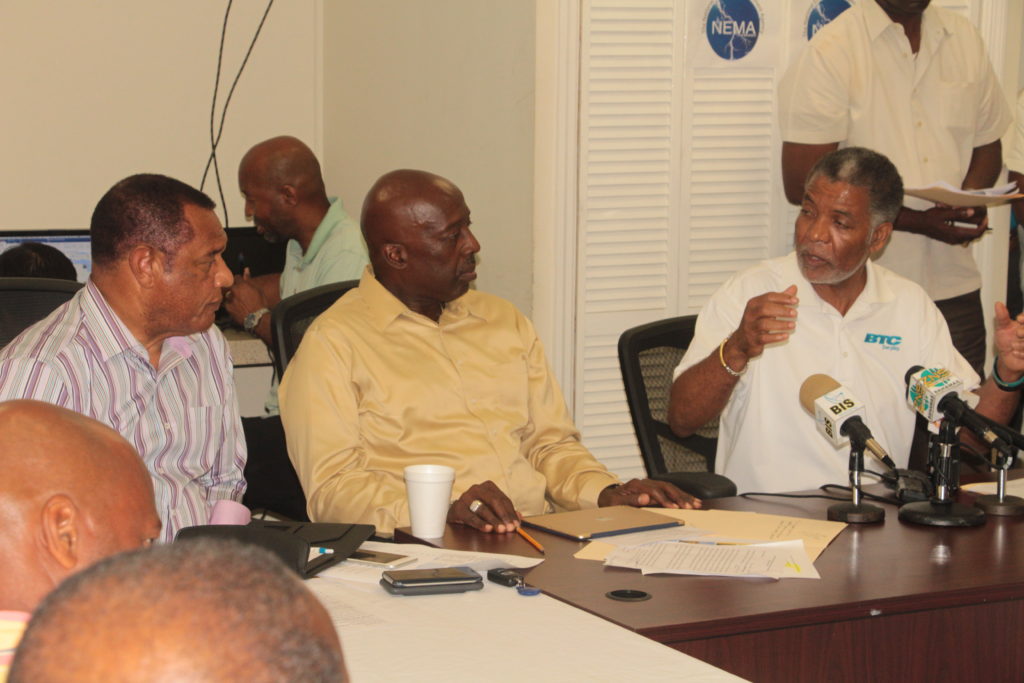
(966,321)
(271,480)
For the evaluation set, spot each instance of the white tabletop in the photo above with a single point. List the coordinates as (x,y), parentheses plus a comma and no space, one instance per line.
(493,634)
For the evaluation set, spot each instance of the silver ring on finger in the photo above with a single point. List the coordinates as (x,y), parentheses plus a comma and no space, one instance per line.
(475,505)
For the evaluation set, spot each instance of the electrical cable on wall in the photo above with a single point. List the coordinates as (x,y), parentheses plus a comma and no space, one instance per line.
(215,137)
(213,111)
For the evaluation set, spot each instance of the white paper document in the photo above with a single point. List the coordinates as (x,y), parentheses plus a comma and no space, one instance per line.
(1014,487)
(783,559)
(944,193)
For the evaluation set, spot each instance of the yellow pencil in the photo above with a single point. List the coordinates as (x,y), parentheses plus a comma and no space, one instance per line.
(530,539)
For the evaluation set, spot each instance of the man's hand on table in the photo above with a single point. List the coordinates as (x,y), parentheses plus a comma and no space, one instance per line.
(485,507)
(494,511)
(644,492)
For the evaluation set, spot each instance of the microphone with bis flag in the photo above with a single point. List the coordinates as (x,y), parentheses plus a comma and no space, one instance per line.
(839,415)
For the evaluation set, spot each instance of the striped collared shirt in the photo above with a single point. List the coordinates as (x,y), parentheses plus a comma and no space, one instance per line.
(182,418)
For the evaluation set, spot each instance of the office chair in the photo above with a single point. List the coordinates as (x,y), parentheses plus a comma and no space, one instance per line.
(647,356)
(25,301)
(273,483)
(292,317)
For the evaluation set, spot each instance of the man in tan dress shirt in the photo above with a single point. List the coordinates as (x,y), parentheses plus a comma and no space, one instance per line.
(414,367)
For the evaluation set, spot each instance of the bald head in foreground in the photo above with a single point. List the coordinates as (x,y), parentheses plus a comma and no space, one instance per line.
(72,491)
(209,610)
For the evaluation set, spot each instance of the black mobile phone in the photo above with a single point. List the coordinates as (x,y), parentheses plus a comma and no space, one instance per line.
(431,577)
(428,581)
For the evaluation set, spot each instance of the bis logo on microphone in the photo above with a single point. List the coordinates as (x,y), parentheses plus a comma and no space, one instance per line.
(841,407)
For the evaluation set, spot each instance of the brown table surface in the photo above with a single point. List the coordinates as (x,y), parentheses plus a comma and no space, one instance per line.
(888,590)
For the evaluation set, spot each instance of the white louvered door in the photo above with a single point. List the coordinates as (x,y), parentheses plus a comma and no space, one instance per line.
(676,175)
(678,178)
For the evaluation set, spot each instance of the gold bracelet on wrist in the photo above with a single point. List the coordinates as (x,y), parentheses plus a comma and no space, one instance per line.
(721,358)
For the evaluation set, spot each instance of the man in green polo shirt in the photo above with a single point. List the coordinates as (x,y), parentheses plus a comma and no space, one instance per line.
(284,193)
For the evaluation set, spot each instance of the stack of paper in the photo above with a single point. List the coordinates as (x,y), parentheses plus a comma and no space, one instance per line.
(722,543)
(944,193)
(781,560)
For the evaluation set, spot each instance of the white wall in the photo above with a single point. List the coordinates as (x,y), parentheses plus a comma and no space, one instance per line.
(445,86)
(95,91)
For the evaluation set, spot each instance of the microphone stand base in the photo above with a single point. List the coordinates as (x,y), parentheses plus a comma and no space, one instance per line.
(1009,506)
(855,513)
(941,514)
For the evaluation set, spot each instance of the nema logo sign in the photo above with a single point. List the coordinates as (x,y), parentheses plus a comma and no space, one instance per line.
(732,27)
(883,339)
(822,12)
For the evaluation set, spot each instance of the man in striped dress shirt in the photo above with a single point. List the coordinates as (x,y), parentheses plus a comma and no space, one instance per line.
(136,347)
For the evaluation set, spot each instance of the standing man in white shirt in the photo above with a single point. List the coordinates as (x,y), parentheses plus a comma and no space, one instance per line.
(285,197)
(915,83)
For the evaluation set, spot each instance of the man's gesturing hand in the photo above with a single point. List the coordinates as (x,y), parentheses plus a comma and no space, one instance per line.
(495,511)
(242,298)
(767,319)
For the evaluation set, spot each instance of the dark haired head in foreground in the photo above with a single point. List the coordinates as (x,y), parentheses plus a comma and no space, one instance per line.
(207,610)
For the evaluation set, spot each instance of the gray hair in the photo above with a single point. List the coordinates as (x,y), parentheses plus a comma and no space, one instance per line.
(870,170)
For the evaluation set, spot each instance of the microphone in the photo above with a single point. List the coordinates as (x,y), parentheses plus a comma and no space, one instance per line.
(838,415)
(932,392)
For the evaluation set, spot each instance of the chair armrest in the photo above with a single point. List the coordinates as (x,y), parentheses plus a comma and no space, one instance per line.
(701,484)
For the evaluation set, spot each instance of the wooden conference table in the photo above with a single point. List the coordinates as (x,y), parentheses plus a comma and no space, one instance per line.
(895,602)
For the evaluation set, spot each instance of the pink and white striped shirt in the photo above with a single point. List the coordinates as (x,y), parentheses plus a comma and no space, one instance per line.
(182,418)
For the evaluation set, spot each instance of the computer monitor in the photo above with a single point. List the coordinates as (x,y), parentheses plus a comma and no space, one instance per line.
(72,243)
(248,249)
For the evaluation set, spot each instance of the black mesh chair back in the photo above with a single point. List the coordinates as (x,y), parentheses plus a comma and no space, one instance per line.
(647,356)
(293,315)
(25,301)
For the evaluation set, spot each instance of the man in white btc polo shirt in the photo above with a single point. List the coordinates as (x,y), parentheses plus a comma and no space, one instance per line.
(825,308)
(913,82)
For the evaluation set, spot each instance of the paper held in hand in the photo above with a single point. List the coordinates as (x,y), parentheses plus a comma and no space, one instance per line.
(944,193)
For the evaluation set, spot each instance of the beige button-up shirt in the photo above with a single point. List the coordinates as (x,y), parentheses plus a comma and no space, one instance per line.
(375,387)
